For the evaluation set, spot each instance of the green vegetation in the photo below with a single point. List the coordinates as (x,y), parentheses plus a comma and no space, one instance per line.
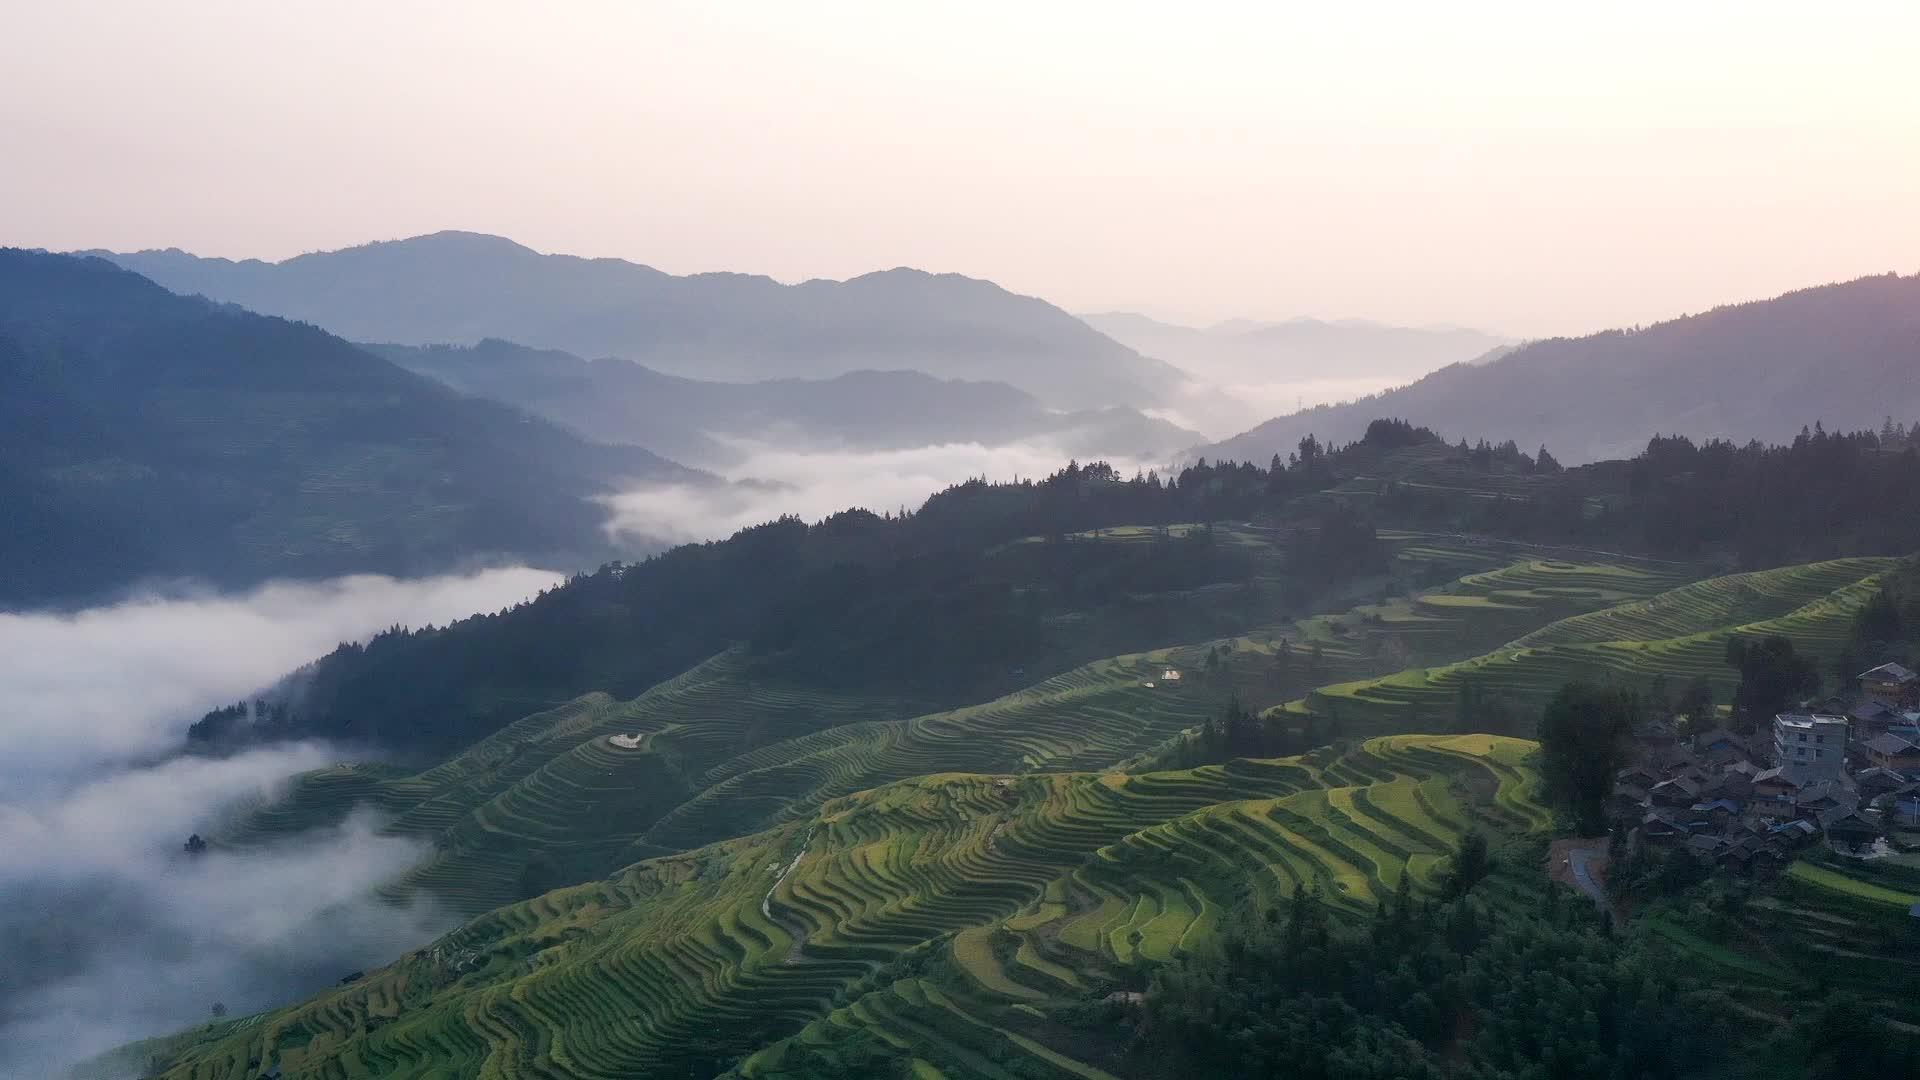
(1583,741)
(923,806)
(146,435)
(1005,786)
(1820,877)
(802,883)
(948,604)
(724,750)
(1426,990)
(1686,634)
(683,962)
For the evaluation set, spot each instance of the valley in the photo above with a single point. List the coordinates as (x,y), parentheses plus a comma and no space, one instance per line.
(942,887)
(945,792)
(1022,542)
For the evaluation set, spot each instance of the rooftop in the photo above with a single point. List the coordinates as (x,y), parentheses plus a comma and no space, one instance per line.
(1808,721)
(1889,743)
(1899,673)
(1792,775)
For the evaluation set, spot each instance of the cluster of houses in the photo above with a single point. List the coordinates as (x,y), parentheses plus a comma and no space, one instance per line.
(1844,771)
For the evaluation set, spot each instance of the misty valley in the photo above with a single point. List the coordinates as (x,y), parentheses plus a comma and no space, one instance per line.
(1099,543)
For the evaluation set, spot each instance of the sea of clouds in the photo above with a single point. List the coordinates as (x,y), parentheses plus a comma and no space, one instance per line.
(108,930)
(813,484)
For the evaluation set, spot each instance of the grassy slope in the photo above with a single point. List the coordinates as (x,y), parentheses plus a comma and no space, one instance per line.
(724,753)
(869,842)
(1679,633)
(686,960)
(1828,922)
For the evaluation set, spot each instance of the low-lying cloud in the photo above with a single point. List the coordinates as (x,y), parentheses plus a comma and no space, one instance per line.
(109,930)
(813,484)
(121,682)
(1222,410)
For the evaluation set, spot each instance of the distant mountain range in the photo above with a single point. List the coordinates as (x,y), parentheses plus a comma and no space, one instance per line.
(1845,354)
(1245,350)
(1245,371)
(147,435)
(697,421)
(461,288)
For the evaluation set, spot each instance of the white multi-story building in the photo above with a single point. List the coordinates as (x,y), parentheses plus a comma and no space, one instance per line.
(1813,745)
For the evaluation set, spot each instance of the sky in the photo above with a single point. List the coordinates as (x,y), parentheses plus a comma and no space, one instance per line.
(1525,168)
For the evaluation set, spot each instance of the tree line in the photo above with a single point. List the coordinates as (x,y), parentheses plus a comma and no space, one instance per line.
(939,604)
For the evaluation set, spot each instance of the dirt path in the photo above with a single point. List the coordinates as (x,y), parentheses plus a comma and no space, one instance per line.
(794,927)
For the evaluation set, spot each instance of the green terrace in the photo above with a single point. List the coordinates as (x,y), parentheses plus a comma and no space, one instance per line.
(1035,886)
(573,793)
(1679,633)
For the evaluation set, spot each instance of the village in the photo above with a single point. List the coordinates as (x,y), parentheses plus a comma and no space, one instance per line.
(1843,771)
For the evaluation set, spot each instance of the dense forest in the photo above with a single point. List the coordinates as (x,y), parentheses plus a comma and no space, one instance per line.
(1887,628)
(1523,981)
(864,599)
(1431,988)
(1455,986)
(939,604)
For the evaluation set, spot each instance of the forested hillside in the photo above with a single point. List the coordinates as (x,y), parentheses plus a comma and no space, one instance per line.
(694,421)
(941,606)
(1841,354)
(462,287)
(474,653)
(1029,782)
(148,435)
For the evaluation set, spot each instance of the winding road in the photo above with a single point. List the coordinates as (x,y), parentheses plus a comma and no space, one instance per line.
(1578,859)
(1583,877)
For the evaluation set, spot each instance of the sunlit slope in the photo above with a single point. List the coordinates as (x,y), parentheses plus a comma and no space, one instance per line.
(680,965)
(576,792)
(978,1004)
(1678,634)
(563,795)
(1107,713)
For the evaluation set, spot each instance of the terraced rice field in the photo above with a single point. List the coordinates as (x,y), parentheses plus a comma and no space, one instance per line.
(716,753)
(1821,878)
(762,858)
(556,786)
(1031,885)
(1679,633)
(1104,714)
(1827,921)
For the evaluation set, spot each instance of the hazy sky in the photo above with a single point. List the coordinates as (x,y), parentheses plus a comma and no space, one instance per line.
(1525,167)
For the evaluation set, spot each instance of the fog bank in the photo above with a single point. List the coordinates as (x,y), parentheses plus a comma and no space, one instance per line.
(814,484)
(121,682)
(109,929)
(1233,406)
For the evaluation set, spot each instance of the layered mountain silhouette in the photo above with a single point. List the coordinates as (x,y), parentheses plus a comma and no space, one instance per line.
(148,435)
(1245,371)
(460,288)
(703,422)
(1245,350)
(1847,354)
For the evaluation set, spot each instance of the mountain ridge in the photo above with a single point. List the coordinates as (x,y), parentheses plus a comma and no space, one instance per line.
(1754,370)
(695,421)
(1242,349)
(150,435)
(459,288)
